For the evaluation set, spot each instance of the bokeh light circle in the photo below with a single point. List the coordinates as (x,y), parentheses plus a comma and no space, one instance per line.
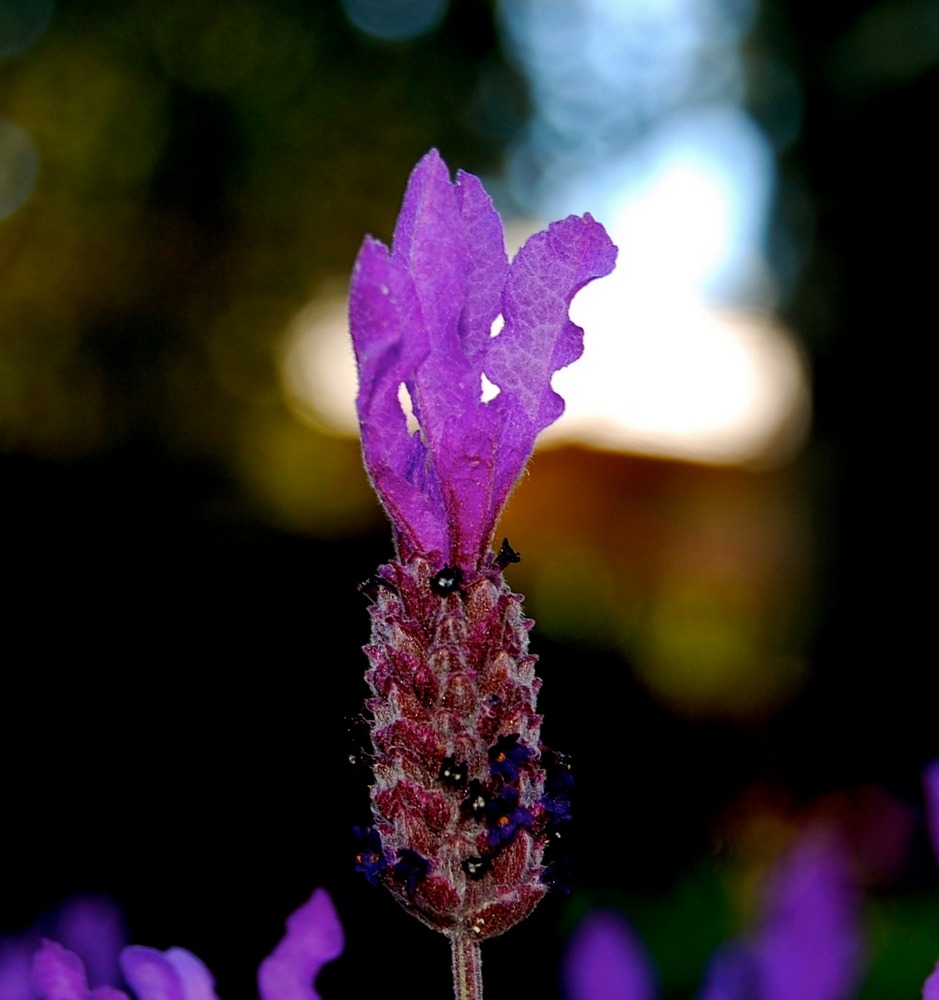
(19,167)
(395,20)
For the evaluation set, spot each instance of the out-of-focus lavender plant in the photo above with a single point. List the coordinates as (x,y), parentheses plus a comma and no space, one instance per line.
(808,942)
(464,797)
(76,955)
(90,926)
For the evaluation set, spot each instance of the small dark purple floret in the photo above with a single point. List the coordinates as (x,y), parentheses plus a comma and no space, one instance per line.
(557,875)
(412,868)
(505,817)
(557,797)
(507,757)
(475,868)
(446,581)
(370,857)
(507,555)
(477,800)
(453,772)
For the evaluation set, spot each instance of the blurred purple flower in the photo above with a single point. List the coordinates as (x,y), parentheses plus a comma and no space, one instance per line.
(314,937)
(422,316)
(931,986)
(90,926)
(604,961)
(808,944)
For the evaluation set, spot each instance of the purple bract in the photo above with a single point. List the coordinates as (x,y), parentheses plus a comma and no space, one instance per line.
(422,317)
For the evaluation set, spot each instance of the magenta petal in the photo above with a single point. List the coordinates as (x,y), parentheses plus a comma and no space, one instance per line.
(389,342)
(810,945)
(58,974)
(539,337)
(487,266)
(314,937)
(428,244)
(605,962)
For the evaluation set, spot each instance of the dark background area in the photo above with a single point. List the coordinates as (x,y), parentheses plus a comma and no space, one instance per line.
(181,666)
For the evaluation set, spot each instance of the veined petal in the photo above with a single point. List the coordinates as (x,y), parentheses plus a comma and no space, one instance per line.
(421,317)
(314,937)
(428,244)
(487,267)
(389,341)
(539,337)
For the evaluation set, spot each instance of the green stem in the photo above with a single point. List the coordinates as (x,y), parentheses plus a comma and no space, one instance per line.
(467,968)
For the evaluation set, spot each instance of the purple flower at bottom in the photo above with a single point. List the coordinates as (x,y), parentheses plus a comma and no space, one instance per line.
(604,961)
(314,937)
(90,926)
(808,944)
(931,986)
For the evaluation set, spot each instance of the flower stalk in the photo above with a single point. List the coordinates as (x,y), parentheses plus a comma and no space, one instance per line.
(467,967)
(465,798)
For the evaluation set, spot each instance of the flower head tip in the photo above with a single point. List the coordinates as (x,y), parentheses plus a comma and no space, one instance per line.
(422,316)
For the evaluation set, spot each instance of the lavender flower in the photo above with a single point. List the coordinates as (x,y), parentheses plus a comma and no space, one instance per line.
(807,945)
(314,937)
(91,926)
(458,794)
(809,942)
(604,961)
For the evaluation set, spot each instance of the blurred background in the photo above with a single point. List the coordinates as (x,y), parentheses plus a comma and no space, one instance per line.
(721,539)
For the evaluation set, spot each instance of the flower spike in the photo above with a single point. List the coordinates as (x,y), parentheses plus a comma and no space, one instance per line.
(461,814)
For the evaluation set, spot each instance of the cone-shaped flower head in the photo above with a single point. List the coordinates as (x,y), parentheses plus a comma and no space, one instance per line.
(422,318)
